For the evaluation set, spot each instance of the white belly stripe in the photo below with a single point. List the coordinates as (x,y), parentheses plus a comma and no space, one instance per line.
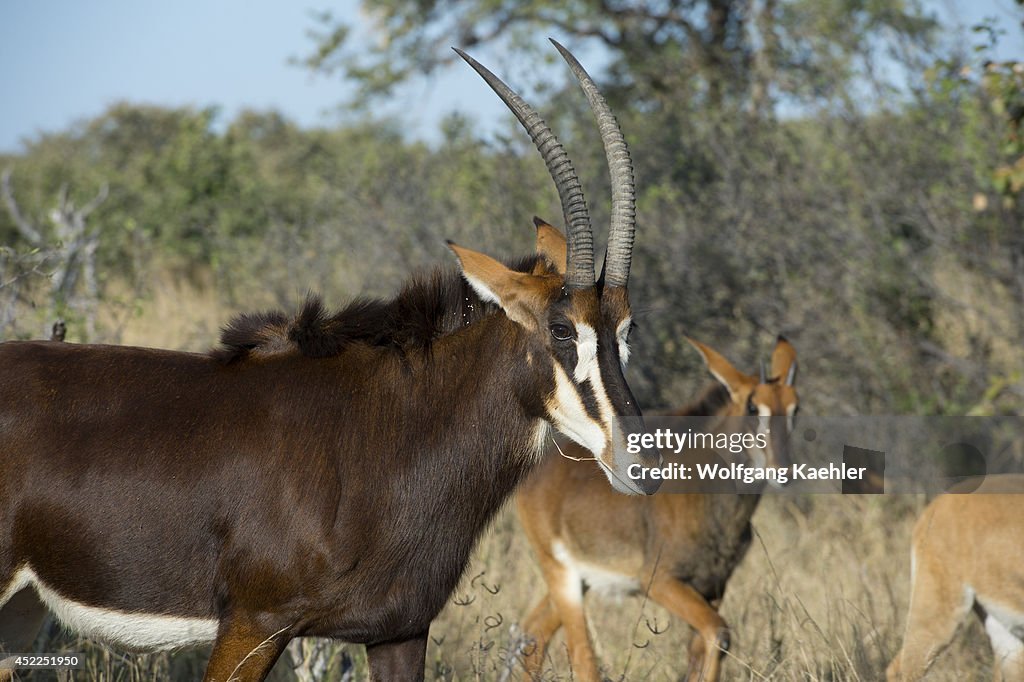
(131,630)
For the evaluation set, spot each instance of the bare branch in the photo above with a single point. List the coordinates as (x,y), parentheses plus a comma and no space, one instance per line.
(62,198)
(98,200)
(24,226)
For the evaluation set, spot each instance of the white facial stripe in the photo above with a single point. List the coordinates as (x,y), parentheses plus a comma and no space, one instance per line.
(622,335)
(140,631)
(759,456)
(607,413)
(604,406)
(570,416)
(587,369)
(764,413)
(790,413)
(586,352)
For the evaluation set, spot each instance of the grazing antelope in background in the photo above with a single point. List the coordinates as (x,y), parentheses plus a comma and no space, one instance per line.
(680,548)
(325,475)
(967,553)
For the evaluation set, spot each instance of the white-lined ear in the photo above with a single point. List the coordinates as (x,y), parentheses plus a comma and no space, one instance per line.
(586,352)
(723,371)
(495,283)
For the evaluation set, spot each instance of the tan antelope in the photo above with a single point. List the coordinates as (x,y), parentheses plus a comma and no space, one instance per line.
(679,548)
(967,554)
(321,475)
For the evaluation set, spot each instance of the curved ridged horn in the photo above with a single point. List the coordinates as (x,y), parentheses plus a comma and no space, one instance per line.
(623,220)
(791,374)
(764,373)
(579,270)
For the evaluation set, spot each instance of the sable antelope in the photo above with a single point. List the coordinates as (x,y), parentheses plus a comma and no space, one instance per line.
(680,548)
(325,475)
(967,553)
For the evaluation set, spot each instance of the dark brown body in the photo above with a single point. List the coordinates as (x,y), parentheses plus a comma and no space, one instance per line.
(168,483)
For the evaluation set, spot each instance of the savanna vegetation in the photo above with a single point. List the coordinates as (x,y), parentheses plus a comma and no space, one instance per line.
(847,173)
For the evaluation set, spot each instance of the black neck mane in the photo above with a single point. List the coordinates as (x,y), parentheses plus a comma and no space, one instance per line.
(428,307)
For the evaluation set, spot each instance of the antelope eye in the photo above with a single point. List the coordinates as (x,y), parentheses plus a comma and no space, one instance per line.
(561,332)
(751,407)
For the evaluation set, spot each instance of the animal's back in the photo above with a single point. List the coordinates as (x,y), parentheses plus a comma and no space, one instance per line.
(79,406)
(979,537)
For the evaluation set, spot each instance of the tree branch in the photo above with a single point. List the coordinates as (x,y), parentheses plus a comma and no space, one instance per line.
(24,227)
(100,197)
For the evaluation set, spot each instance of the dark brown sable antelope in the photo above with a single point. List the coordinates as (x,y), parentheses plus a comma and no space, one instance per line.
(325,475)
(679,548)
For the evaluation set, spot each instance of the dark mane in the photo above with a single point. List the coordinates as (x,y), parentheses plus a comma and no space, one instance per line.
(713,398)
(427,307)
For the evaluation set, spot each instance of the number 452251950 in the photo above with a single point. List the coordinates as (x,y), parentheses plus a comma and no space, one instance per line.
(54,661)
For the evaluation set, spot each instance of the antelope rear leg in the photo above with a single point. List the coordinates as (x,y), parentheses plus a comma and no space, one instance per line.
(938,604)
(398,661)
(244,652)
(565,590)
(538,628)
(712,638)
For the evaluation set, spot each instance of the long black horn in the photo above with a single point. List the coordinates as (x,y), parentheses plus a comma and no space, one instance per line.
(764,373)
(579,270)
(623,221)
(791,374)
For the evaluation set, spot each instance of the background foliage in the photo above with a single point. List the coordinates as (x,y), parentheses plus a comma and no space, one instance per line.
(838,172)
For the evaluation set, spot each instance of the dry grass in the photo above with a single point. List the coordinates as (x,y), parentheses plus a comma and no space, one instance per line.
(822,595)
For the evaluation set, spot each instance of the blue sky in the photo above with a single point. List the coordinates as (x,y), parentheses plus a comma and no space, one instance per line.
(65,60)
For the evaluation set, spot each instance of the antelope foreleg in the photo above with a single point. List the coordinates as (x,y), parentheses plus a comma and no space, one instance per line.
(938,604)
(398,661)
(538,629)
(244,652)
(686,603)
(568,600)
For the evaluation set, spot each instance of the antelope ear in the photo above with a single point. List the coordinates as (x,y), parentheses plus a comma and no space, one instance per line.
(515,292)
(551,244)
(784,361)
(727,375)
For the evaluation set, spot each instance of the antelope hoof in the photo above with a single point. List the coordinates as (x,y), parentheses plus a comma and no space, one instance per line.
(723,639)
